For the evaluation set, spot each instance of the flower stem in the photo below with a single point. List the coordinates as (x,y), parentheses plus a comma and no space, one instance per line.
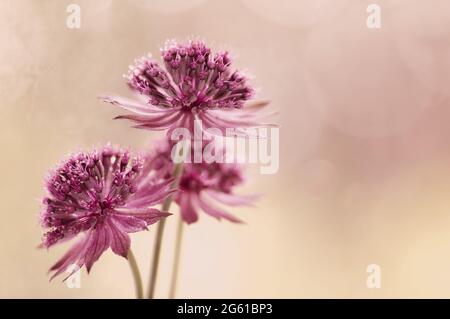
(177,171)
(136,275)
(176,260)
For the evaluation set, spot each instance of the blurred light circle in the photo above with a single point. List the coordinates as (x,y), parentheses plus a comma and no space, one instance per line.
(300,13)
(357,80)
(167,6)
(318,178)
(20,74)
(97,15)
(422,33)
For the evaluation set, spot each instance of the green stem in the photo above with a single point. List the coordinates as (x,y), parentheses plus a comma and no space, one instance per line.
(176,261)
(136,275)
(177,171)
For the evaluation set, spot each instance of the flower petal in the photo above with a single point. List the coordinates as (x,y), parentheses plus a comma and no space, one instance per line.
(120,241)
(221,119)
(132,105)
(233,199)
(187,209)
(137,220)
(73,256)
(150,194)
(159,123)
(213,211)
(99,243)
(144,119)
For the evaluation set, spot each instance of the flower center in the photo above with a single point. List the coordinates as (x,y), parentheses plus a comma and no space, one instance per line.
(191,183)
(105,207)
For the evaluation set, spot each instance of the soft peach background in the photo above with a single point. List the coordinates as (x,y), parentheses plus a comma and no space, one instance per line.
(365,147)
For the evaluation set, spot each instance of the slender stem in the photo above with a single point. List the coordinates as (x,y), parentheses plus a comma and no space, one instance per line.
(176,260)
(136,275)
(177,171)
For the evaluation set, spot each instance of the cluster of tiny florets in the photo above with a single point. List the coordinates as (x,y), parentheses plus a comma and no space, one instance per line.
(84,189)
(221,177)
(194,79)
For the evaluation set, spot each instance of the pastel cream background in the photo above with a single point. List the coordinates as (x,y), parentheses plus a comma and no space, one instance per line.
(365,143)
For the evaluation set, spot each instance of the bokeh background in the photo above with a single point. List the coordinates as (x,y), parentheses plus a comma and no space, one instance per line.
(365,143)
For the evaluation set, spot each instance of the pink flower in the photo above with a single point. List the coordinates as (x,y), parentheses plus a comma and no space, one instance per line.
(102,196)
(202,187)
(195,84)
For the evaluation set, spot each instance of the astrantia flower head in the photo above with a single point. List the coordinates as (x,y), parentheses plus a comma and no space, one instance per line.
(102,195)
(195,84)
(203,186)
(195,79)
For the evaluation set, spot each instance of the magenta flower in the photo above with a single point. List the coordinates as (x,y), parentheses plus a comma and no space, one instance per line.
(195,84)
(103,196)
(202,187)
